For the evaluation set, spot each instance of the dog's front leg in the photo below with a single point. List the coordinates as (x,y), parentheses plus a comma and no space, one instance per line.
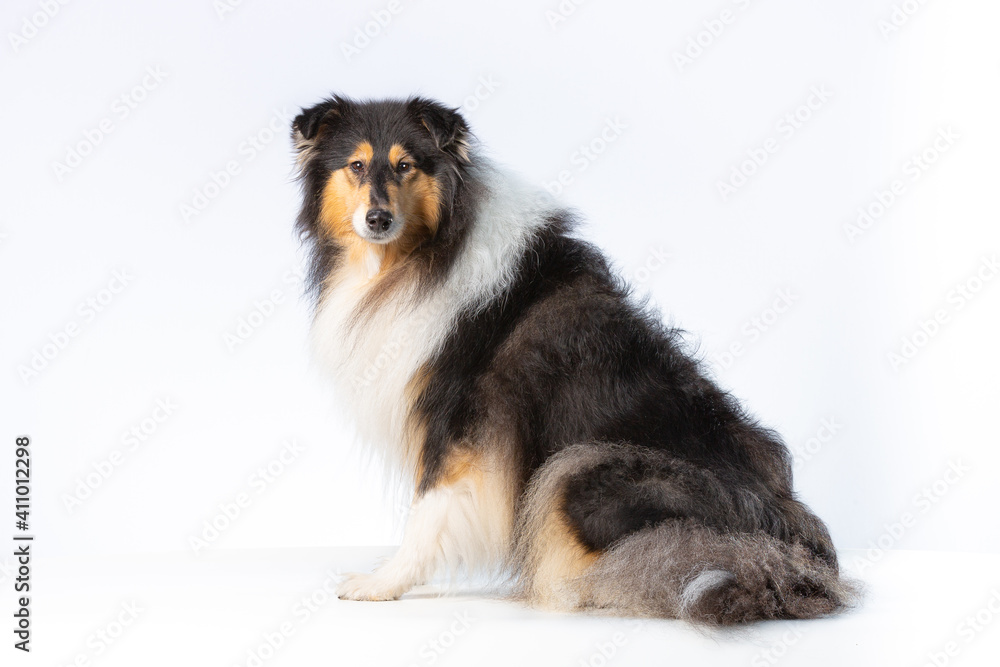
(419,555)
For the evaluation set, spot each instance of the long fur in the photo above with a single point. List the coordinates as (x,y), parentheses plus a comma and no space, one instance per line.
(548,424)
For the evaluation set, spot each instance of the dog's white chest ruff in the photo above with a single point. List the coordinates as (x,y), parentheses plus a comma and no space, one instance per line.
(374,357)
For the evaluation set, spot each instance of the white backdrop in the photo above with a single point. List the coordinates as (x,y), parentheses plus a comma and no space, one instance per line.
(154,336)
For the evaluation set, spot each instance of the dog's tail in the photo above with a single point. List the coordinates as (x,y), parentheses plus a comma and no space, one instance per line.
(682,570)
(617,529)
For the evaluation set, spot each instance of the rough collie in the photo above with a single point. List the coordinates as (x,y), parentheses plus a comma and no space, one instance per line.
(550,426)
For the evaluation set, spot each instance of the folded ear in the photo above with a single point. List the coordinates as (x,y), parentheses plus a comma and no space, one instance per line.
(446,126)
(307,125)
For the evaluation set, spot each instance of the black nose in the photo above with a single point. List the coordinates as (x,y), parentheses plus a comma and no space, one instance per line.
(378,219)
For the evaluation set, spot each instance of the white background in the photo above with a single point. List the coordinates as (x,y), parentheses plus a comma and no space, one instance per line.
(553,86)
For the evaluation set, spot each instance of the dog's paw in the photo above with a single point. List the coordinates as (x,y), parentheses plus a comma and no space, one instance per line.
(359,586)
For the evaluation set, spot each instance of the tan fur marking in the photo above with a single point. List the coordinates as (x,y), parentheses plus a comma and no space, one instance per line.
(341,196)
(422,200)
(416,200)
(478,477)
(416,427)
(363,152)
(463,464)
(480,482)
(559,559)
(396,154)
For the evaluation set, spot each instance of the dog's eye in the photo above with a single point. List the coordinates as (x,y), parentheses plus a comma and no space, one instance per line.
(357,166)
(403,167)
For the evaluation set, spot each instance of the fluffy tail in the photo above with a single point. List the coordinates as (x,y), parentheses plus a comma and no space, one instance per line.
(683,570)
(628,531)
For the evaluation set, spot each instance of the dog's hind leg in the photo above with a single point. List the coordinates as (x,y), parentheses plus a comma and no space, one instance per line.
(588,497)
(634,532)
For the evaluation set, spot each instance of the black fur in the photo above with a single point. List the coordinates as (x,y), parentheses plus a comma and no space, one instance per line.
(583,363)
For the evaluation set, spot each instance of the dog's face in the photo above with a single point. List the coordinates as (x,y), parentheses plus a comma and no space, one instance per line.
(380,172)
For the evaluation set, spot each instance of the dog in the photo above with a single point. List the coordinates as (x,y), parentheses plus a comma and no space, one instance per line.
(549,425)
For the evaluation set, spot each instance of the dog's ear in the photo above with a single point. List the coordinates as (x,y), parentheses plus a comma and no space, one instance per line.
(446,126)
(307,125)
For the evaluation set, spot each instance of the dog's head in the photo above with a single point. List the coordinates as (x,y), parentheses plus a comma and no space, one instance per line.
(379,175)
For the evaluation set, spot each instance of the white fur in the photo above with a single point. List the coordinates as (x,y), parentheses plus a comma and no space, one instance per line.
(305,149)
(371,262)
(463,525)
(358,220)
(373,359)
(701,584)
(417,557)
